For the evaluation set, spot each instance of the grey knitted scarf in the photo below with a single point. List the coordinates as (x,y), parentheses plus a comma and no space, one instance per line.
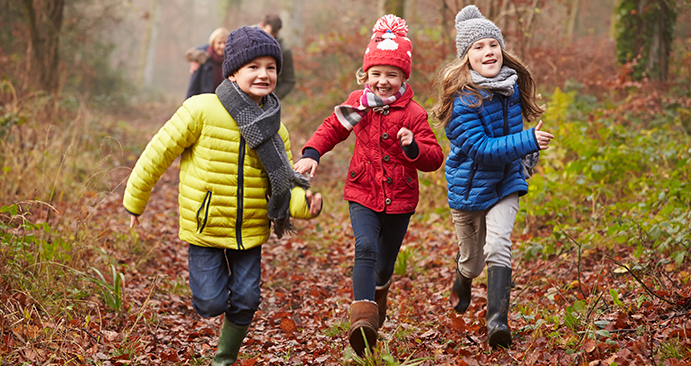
(259,126)
(502,83)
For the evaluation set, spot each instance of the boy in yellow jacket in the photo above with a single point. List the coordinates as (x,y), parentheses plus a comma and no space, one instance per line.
(235,153)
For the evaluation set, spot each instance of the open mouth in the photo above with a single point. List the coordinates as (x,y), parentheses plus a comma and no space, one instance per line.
(490,62)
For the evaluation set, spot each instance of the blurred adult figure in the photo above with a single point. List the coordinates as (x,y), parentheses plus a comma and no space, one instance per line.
(272,25)
(209,72)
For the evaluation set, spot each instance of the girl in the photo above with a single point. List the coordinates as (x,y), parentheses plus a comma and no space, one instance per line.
(484,96)
(394,140)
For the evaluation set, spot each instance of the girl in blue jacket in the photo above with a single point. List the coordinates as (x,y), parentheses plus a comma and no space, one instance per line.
(485,94)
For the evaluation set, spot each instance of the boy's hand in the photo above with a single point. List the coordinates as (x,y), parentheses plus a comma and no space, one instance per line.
(194,65)
(543,138)
(315,202)
(305,165)
(405,135)
(134,221)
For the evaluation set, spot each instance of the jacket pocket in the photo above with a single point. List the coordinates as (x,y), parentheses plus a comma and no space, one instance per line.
(203,212)
(358,174)
(410,178)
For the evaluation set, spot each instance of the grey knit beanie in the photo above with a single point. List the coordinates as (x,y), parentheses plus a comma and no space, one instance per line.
(471,26)
(247,43)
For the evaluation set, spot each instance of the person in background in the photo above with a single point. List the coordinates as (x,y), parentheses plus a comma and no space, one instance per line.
(209,73)
(484,96)
(393,141)
(236,183)
(272,24)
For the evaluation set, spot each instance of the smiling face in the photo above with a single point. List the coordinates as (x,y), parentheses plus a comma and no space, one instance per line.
(385,80)
(485,57)
(218,45)
(257,78)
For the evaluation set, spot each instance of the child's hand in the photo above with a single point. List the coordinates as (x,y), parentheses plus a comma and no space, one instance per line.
(405,135)
(194,65)
(305,165)
(134,221)
(543,138)
(315,201)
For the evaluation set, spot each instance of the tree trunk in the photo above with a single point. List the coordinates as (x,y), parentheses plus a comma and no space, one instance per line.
(573,15)
(395,7)
(644,34)
(293,27)
(44,18)
(148,44)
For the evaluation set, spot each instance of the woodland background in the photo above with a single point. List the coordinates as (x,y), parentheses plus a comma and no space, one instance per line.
(601,245)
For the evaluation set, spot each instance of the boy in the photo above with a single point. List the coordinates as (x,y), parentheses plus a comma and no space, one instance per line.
(235,153)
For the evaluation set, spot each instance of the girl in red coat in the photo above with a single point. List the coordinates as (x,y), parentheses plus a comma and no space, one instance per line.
(394,141)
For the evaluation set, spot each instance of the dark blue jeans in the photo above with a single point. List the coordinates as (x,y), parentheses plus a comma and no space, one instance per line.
(225,281)
(378,238)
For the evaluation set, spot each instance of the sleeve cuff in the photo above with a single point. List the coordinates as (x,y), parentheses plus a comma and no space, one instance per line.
(312,153)
(411,151)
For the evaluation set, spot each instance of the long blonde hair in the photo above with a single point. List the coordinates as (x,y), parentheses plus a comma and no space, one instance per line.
(454,80)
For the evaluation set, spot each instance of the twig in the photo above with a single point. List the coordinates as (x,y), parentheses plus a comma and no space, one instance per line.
(141,310)
(580,288)
(641,282)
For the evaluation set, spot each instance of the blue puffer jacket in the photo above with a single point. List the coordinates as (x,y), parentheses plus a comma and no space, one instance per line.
(484,164)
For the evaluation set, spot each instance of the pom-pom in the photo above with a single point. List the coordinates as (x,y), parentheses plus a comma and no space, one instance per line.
(467,13)
(391,23)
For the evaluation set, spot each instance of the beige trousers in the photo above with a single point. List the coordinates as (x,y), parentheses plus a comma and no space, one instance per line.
(484,237)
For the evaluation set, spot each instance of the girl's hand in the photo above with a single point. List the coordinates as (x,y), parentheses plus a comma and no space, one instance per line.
(134,221)
(543,138)
(405,135)
(305,165)
(315,201)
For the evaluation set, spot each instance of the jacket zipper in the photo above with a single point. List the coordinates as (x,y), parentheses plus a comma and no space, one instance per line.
(240,194)
(505,107)
(205,206)
(473,169)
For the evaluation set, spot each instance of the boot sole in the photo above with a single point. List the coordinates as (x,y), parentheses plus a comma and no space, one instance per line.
(357,342)
(500,339)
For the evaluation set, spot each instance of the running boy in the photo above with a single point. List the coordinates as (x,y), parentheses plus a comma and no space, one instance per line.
(234,153)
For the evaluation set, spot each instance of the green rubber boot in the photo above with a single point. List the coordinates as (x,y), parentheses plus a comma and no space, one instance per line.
(229,343)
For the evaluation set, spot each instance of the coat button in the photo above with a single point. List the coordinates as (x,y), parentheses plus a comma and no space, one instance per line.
(385,135)
(353,174)
(410,179)
(387,201)
(386,158)
(388,180)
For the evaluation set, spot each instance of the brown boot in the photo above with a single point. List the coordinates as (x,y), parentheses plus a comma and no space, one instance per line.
(364,318)
(380,293)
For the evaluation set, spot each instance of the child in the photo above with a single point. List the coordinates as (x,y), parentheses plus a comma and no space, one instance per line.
(394,140)
(484,96)
(235,152)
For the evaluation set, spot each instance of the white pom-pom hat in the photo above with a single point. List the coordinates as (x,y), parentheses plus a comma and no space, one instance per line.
(389,45)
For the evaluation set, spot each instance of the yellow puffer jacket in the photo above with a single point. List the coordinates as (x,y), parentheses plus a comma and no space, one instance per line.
(221,205)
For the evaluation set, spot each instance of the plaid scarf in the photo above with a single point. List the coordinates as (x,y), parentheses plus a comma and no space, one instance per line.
(259,126)
(349,116)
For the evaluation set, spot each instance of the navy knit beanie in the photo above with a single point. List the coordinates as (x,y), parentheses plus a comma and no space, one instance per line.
(247,43)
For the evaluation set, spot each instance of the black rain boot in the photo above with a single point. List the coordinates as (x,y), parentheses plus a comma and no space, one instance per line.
(460,293)
(498,294)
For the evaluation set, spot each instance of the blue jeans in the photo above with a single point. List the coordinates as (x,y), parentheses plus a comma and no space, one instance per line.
(225,281)
(378,238)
